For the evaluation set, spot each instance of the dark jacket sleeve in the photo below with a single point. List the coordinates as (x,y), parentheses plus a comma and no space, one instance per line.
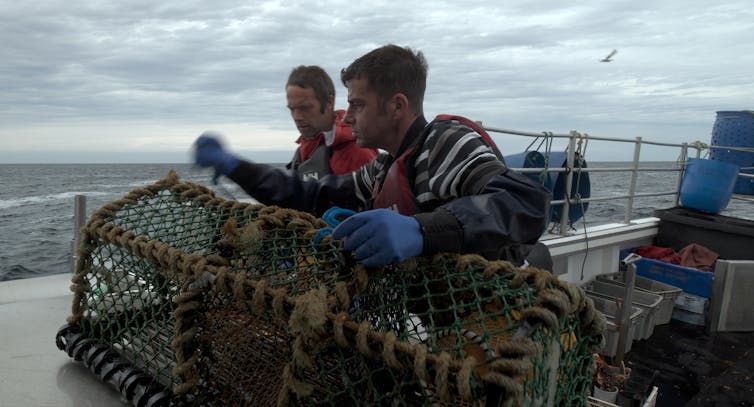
(500,222)
(275,186)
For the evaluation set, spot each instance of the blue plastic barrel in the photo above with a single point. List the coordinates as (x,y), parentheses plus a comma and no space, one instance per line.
(530,159)
(555,181)
(735,129)
(581,188)
(707,185)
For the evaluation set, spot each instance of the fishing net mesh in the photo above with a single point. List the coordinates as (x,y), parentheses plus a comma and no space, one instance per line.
(227,303)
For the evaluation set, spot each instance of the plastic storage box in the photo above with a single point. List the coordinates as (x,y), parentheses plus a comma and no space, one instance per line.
(610,309)
(648,303)
(732,303)
(688,279)
(668,293)
(691,309)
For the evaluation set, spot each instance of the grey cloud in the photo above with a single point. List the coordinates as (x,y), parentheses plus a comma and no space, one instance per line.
(532,65)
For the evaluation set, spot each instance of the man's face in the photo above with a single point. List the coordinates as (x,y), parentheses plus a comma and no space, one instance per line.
(369,123)
(306,111)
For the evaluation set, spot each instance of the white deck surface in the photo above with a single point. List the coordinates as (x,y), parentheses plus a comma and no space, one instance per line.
(33,372)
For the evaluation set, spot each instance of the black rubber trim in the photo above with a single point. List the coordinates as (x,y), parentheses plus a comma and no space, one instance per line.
(133,384)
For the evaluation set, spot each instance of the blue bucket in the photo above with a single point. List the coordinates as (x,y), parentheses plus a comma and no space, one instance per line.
(707,185)
(735,129)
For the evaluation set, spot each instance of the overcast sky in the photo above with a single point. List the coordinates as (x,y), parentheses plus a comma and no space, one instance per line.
(138,81)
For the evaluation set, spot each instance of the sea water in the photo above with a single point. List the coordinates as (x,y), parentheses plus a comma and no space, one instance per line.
(36,204)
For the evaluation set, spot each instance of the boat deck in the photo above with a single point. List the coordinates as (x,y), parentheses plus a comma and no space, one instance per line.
(33,372)
(697,368)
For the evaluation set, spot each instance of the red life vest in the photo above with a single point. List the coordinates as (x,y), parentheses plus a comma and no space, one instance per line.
(316,157)
(396,193)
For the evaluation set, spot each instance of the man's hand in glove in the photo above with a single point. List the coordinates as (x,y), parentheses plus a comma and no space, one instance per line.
(381,236)
(208,152)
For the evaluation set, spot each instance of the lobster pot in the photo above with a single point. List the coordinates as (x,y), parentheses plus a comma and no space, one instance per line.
(735,129)
(183,298)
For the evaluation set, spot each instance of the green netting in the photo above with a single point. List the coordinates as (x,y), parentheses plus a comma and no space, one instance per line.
(227,303)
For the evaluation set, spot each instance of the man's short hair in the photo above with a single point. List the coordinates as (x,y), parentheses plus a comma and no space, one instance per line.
(389,70)
(316,78)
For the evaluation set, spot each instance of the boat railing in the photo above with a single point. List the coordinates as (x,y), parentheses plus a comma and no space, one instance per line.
(79,220)
(575,153)
(574,141)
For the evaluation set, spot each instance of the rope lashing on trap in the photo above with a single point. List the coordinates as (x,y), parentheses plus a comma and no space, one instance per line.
(197,270)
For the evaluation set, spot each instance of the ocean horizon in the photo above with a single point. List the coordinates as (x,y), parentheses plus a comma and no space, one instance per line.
(37,204)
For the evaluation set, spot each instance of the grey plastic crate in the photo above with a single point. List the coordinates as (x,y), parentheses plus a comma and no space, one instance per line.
(668,293)
(610,308)
(648,302)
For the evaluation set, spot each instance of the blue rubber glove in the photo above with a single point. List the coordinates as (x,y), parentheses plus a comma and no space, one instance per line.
(381,236)
(208,152)
(332,217)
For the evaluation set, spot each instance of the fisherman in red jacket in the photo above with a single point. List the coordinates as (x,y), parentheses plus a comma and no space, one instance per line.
(326,145)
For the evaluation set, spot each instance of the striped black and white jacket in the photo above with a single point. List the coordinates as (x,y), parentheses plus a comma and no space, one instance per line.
(470,202)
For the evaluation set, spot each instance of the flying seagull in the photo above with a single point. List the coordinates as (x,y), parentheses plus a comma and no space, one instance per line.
(609,56)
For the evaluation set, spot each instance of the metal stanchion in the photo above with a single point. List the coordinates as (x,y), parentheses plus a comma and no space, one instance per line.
(79,219)
(625,308)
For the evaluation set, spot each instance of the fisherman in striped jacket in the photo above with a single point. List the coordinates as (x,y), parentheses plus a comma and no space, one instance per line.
(439,187)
